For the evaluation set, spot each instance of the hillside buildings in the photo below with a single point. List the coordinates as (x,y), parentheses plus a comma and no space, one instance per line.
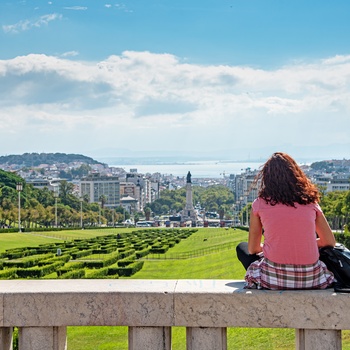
(134,191)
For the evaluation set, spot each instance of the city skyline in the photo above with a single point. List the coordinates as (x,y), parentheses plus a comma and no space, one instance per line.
(236,79)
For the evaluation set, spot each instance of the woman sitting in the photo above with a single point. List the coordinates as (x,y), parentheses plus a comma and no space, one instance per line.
(282,249)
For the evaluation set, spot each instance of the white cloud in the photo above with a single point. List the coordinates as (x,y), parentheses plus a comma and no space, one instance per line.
(122,7)
(30,24)
(70,54)
(156,100)
(76,8)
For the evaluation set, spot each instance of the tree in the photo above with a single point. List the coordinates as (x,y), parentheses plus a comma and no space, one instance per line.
(103,200)
(65,191)
(147,210)
(136,217)
(335,206)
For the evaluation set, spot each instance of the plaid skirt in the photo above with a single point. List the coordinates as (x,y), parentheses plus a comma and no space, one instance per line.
(265,274)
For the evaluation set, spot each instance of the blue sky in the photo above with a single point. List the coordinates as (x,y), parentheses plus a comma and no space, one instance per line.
(227,78)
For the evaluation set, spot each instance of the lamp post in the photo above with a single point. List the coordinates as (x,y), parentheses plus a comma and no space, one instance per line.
(99,214)
(81,213)
(19,188)
(56,196)
(247,215)
(246,194)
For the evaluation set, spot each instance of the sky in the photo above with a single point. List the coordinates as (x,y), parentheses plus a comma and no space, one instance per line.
(225,79)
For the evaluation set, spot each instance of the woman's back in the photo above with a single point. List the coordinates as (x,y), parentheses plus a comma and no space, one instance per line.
(289,232)
(288,215)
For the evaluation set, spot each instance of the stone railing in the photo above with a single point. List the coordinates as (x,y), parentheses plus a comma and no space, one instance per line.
(42,309)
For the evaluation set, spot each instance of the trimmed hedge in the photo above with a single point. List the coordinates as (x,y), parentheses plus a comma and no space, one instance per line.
(81,253)
(40,261)
(27,262)
(97,264)
(130,269)
(104,250)
(37,272)
(69,267)
(142,253)
(125,253)
(8,273)
(127,261)
(75,274)
(96,273)
(159,249)
(62,258)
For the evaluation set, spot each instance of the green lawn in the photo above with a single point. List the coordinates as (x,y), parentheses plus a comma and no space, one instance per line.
(222,264)
(34,239)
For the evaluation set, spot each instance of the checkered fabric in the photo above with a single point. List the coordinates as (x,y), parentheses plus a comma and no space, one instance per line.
(265,274)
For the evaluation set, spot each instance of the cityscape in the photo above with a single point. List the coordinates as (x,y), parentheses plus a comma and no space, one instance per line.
(177,104)
(133,191)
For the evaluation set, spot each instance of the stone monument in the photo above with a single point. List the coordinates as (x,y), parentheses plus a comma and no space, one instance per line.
(189,214)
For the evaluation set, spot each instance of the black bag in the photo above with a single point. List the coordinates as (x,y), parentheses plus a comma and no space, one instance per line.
(337,260)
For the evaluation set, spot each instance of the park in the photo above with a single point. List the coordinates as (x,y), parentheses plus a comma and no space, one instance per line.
(177,254)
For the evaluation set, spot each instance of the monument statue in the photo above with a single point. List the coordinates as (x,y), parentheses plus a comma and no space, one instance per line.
(188,177)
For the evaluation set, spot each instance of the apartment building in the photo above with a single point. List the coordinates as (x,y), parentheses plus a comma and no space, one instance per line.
(338,183)
(245,189)
(95,185)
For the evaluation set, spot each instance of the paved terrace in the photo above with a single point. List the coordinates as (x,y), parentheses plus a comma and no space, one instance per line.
(42,309)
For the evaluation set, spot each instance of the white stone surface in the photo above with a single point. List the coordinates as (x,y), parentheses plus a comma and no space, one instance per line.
(6,338)
(88,302)
(1,308)
(164,303)
(155,338)
(318,339)
(42,338)
(219,303)
(206,338)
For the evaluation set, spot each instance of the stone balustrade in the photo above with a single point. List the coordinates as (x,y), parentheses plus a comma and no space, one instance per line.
(42,309)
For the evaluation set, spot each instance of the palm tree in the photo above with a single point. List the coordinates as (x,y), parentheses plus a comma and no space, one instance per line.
(147,211)
(103,200)
(66,189)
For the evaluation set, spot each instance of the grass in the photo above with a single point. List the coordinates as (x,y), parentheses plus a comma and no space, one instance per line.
(220,265)
(22,240)
(34,239)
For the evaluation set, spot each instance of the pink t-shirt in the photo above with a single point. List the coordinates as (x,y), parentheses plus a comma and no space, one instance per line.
(289,233)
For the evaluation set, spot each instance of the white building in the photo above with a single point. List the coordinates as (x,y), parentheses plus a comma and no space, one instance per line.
(245,188)
(94,186)
(338,183)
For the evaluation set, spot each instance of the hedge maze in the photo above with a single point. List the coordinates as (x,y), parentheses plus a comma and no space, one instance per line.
(108,256)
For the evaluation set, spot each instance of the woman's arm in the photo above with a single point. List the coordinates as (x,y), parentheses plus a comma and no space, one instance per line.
(324,232)
(255,234)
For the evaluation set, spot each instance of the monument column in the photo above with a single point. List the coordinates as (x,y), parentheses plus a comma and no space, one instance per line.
(189,213)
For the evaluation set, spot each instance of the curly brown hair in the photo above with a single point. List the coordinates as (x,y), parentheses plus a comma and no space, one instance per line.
(283,181)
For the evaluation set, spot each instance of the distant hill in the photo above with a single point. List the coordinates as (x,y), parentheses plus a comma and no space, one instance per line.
(332,165)
(35,159)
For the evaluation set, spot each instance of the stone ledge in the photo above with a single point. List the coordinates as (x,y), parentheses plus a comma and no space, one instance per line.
(189,303)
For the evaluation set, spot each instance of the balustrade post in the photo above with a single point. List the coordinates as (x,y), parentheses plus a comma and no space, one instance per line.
(206,338)
(149,338)
(42,338)
(6,338)
(320,339)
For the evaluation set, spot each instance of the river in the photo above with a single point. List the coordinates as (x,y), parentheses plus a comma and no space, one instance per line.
(198,169)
